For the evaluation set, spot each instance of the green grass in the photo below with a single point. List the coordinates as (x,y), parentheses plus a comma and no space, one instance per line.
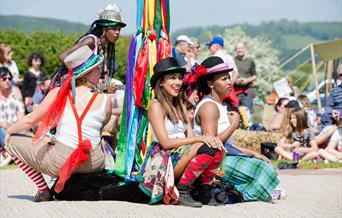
(298,41)
(310,165)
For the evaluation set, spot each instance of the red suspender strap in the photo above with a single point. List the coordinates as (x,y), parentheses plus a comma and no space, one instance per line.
(81,153)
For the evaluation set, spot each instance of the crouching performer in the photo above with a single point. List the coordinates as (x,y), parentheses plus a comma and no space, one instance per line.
(176,154)
(78,113)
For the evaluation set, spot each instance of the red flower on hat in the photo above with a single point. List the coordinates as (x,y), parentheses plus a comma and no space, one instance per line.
(200,71)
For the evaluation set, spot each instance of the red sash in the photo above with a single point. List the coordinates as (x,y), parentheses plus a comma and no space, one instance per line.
(81,153)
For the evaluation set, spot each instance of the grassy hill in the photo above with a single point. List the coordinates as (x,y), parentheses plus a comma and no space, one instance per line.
(33,24)
(286,36)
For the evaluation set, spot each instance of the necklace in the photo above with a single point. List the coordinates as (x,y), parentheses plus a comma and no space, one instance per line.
(91,86)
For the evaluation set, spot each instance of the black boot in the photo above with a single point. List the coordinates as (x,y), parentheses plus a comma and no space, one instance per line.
(185,198)
(205,197)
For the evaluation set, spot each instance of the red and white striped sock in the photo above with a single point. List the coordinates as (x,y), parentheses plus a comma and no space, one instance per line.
(33,174)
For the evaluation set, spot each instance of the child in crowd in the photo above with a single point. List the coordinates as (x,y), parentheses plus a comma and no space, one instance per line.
(300,140)
(312,117)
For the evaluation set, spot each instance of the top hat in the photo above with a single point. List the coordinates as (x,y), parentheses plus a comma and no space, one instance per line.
(110,16)
(82,61)
(166,66)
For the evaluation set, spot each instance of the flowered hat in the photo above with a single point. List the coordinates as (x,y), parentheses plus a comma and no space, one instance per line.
(82,61)
(211,66)
(110,16)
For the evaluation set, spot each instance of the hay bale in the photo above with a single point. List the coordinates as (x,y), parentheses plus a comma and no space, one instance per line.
(253,139)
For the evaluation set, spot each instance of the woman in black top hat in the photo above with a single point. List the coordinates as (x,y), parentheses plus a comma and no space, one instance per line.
(192,157)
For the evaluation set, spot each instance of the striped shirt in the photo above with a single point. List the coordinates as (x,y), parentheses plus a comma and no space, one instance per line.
(335,98)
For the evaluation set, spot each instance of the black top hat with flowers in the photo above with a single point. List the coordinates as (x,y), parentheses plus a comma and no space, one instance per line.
(165,66)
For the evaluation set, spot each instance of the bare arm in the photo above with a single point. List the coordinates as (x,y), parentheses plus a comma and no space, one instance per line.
(320,139)
(156,117)
(36,116)
(282,143)
(276,121)
(89,41)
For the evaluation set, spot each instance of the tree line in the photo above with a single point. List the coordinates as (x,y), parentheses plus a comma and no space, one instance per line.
(51,44)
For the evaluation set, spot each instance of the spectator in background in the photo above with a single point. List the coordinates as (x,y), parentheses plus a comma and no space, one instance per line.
(247,75)
(117,92)
(334,102)
(216,48)
(6,54)
(312,117)
(194,51)
(32,78)
(181,49)
(11,108)
(298,141)
(41,91)
(277,120)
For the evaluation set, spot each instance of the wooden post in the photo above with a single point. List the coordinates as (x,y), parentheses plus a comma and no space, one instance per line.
(314,71)
(329,70)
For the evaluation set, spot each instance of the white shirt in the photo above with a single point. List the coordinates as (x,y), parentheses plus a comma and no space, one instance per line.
(91,126)
(173,130)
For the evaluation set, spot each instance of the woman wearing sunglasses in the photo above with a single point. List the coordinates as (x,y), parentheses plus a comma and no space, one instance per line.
(11,109)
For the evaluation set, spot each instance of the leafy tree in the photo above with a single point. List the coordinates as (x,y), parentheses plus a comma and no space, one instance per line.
(51,44)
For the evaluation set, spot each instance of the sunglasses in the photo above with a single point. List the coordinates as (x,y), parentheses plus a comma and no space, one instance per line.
(6,78)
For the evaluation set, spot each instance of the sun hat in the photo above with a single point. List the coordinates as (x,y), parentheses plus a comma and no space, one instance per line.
(82,61)
(110,16)
(165,66)
(216,40)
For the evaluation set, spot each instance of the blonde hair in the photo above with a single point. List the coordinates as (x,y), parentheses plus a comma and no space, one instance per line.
(174,110)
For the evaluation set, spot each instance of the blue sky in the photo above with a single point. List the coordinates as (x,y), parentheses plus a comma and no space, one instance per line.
(184,13)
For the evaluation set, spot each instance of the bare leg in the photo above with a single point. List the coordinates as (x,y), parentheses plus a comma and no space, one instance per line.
(326,155)
(309,156)
(281,151)
(190,153)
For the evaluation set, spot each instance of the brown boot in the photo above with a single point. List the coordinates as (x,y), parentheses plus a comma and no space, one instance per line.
(43,196)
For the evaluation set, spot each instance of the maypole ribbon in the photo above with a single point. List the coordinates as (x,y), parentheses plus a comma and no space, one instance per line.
(150,44)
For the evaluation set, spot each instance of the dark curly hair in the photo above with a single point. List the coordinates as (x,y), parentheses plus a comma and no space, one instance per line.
(36,55)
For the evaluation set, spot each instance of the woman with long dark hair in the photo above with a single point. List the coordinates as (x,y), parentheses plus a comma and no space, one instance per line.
(193,157)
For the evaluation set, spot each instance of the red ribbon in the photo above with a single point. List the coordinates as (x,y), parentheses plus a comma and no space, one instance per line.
(55,111)
(80,154)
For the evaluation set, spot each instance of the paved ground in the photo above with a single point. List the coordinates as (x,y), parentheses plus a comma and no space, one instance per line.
(311,193)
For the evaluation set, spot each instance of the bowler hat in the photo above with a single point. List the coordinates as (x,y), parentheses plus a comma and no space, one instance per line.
(165,66)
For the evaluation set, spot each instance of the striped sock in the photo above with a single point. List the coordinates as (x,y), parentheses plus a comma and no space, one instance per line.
(33,174)
(209,173)
(195,168)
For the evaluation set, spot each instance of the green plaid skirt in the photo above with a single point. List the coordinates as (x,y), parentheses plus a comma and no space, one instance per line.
(254,178)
